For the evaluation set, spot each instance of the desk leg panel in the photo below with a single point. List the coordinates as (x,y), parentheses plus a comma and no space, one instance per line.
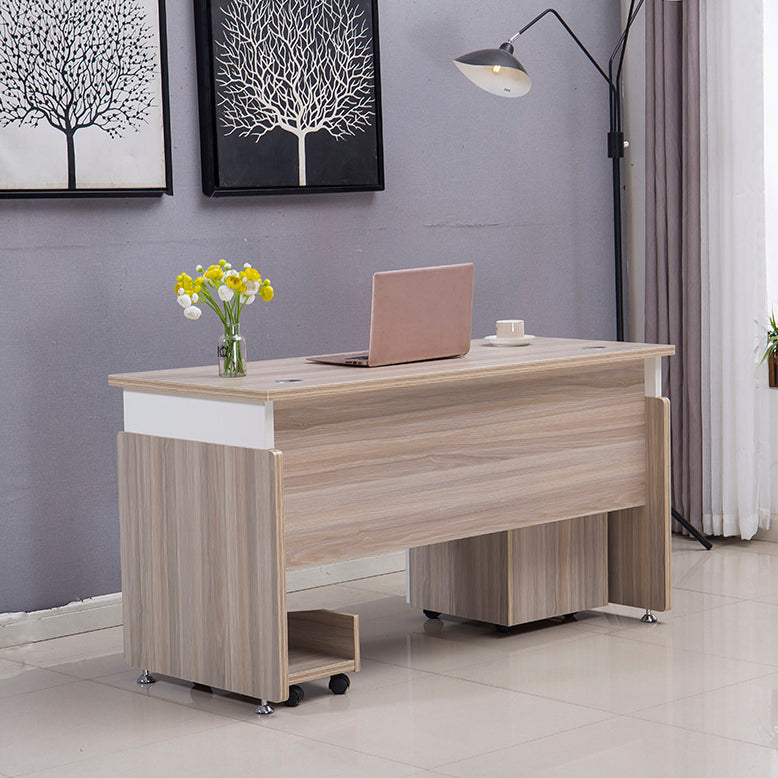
(203,576)
(639,538)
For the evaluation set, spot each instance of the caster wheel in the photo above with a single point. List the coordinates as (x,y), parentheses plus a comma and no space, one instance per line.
(339,683)
(201,687)
(568,617)
(296,696)
(502,629)
(432,614)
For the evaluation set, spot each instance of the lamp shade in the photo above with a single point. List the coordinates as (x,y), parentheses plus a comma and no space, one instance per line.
(496,71)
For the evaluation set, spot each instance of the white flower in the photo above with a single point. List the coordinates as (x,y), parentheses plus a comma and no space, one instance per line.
(192,312)
(199,268)
(230,272)
(227,266)
(195,298)
(246,266)
(247,299)
(225,293)
(252,287)
(184,300)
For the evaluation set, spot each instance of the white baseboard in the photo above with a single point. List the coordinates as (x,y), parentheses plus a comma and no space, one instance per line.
(105,611)
(353,570)
(770,535)
(79,616)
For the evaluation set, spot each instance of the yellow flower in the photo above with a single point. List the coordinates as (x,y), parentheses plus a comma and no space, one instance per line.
(217,287)
(184,284)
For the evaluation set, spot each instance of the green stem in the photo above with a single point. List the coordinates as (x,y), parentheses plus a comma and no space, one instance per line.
(205,295)
(231,352)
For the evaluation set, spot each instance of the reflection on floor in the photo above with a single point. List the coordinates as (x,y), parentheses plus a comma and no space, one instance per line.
(694,695)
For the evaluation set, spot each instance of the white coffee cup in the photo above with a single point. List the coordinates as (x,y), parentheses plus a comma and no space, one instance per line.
(510,328)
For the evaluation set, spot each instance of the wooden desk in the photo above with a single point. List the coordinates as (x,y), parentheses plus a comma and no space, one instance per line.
(503,463)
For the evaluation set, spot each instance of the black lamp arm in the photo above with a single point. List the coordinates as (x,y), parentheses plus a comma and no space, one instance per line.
(572,35)
(620,50)
(621,45)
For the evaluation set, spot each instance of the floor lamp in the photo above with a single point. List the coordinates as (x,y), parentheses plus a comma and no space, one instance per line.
(498,72)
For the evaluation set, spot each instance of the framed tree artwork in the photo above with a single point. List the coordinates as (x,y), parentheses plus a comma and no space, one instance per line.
(83,98)
(289,96)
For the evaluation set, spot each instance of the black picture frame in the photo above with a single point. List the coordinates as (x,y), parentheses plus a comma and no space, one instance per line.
(235,161)
(118,163)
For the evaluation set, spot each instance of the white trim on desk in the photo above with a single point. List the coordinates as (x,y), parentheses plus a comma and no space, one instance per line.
(653,368)
(227,422)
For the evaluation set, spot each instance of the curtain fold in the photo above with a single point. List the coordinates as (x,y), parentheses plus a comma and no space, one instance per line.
(736,428)
(673,239)
(706,264)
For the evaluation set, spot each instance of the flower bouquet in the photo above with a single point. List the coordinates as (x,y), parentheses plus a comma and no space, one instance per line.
(227,292)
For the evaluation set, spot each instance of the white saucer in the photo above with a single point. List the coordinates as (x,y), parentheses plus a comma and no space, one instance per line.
(495,341)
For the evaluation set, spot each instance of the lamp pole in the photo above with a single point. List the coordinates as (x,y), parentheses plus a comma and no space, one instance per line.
(498,72)
(616,143)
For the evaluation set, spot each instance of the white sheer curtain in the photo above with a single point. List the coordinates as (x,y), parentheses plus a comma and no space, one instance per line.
(771,204)
(736,401)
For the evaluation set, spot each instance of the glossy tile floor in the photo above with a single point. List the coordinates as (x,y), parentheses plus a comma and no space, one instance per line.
(695,695)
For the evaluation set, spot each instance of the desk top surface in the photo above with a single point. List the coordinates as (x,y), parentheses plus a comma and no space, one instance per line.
(294,378)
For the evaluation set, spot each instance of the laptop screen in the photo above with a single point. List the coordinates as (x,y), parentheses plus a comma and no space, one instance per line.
(421,313)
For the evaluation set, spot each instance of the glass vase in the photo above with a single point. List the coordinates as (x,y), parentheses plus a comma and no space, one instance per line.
(231,352)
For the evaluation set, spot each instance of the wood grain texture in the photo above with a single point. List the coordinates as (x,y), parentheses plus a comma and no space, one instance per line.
(559,568)
(639,538)
(203,579)
(322,643)
(307,665)
(327,631)
(316,381)
(515,577)
(470,578)
(378,471)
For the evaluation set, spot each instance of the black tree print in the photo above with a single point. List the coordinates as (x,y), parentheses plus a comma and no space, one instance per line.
(304,66)
(75,64)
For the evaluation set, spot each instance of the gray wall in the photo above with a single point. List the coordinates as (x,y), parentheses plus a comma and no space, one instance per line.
(520,187)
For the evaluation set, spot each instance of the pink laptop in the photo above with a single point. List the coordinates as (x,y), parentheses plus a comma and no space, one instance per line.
(417,314)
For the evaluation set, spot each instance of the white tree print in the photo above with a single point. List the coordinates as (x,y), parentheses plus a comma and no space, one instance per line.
(75,64)
(305,66)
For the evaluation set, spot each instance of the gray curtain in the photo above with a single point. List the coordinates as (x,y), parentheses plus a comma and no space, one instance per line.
(673,286)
